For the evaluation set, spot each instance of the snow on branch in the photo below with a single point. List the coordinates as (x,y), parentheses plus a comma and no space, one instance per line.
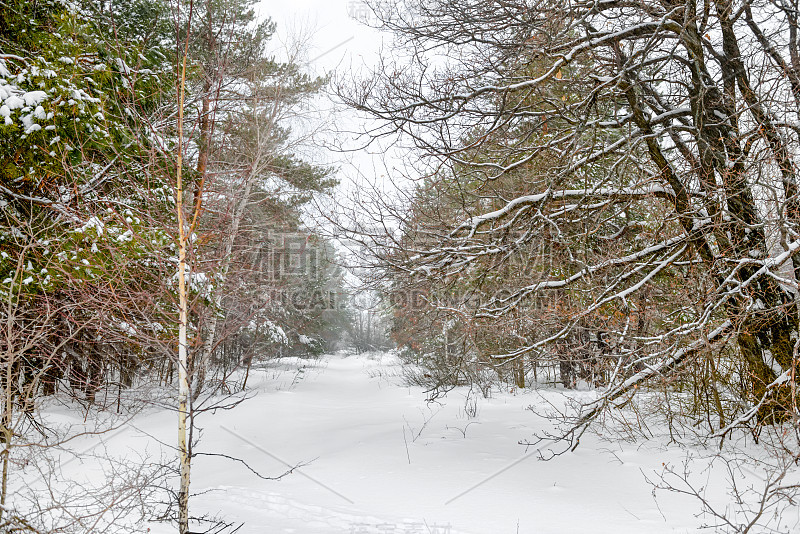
(621,195)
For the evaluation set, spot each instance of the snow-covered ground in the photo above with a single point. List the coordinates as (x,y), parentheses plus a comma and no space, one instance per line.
(376,458)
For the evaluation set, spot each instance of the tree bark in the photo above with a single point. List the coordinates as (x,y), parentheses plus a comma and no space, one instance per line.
(184,416)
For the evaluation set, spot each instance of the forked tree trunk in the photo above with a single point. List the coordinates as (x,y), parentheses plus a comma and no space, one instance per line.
(251,174)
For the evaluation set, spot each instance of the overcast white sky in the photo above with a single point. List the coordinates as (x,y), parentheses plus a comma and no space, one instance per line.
(335,40)
(334,36)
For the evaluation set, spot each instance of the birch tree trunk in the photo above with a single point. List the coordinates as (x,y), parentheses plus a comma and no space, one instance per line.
(184,421)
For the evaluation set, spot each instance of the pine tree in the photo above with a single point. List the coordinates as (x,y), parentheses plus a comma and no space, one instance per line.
(242,101)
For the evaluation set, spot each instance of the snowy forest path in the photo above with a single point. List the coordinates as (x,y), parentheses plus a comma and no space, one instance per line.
(376,458)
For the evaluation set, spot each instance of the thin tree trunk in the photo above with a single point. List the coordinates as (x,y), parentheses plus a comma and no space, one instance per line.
(7,436)
(247,371)
(184,446)
(4,488)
